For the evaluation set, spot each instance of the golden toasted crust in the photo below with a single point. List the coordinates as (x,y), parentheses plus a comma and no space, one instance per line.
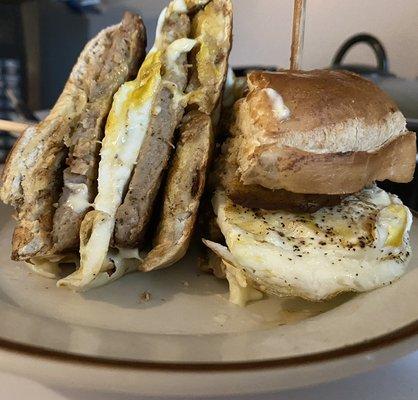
(184,188)
(339,173)
(32,178)
(320,98)
(332,115)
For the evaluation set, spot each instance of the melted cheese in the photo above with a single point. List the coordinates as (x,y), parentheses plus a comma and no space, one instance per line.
(78,199)
(45,267)
(126,253)
(49,267)
(277,104)
(175,49)
(240,291)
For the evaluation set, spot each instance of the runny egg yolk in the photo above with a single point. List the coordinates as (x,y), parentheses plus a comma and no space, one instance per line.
(395,218)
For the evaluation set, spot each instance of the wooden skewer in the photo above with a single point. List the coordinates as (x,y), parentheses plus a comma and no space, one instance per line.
(13,127)
(298,31)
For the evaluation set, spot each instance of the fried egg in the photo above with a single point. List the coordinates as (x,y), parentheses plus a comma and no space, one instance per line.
(359,245)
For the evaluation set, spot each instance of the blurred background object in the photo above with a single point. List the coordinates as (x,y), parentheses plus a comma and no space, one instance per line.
(403,91)
(84,5)
(12,67)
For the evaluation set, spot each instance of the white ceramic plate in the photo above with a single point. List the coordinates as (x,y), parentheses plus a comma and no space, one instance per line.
(188,340)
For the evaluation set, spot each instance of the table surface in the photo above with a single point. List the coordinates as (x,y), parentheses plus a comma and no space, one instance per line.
(396,381)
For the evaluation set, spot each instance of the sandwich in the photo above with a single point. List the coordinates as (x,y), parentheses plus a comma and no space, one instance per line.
(186,178)
(117,228)
(297,209)
(121,181)
(50,174)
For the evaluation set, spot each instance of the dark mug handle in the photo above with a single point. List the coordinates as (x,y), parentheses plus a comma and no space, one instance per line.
(379,51)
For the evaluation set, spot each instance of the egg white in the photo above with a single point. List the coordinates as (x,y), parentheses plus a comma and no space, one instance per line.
(357,246)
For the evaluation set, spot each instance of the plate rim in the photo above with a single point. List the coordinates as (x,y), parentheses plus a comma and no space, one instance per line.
(381,342)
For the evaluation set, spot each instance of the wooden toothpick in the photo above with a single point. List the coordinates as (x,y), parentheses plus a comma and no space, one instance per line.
(298,31)
(15,128)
